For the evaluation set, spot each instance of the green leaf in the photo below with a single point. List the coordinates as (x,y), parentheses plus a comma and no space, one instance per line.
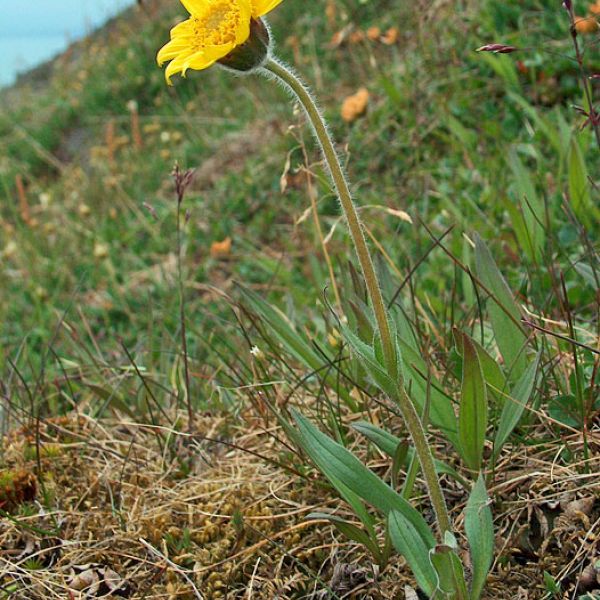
(339,465)
(473,414)
(492,373)
(551,584)
(387,442)
(371,365)
(450,573)
(566,410)
(504,313)
(415,549)
(579,186)
(515,405)
(479,528)
(356,504)
(441,410)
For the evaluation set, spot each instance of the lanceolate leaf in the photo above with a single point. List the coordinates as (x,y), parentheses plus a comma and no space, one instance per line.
(450,573)
(492,373)
(479,528)
(387,442)
(532,207)
(340,465)
(441,411)
(515,405)
(504,313)
(473,416)
(415,550)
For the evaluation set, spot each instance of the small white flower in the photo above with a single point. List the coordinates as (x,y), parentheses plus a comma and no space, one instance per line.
(45,199)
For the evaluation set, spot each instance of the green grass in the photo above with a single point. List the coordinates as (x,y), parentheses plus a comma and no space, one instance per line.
(453,137)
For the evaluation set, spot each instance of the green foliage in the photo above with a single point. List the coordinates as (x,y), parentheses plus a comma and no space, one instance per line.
(473,415)
(504,313)
(480,534)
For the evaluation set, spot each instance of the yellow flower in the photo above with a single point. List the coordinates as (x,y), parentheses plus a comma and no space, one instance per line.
(215,28)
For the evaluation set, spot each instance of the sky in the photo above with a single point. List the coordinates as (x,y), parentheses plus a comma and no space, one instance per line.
(32,32)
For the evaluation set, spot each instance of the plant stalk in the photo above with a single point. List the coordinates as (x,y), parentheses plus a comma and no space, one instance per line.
(407,408)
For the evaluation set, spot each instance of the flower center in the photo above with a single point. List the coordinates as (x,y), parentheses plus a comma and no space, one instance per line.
(217,25)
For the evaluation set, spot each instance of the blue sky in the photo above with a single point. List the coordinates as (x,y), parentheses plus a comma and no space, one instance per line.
(53,17)
(33,32)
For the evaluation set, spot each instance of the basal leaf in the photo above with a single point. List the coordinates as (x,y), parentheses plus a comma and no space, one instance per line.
(415,550)
(351,531)
(339,465)
(450,573)
(479,528)
(473,415)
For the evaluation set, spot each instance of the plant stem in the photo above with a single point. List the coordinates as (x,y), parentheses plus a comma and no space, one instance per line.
(407,408)
(582,73)
(182,322)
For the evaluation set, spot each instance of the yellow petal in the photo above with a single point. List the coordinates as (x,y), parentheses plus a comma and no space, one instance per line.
(208,56)
(243,31)
(185,28)
(194,6)
(177,65)
(171,50)
(262,7)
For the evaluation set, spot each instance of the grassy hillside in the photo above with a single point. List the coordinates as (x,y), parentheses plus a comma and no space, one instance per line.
(454,145)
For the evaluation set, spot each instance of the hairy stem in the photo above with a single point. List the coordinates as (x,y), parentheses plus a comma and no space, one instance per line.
(407,408)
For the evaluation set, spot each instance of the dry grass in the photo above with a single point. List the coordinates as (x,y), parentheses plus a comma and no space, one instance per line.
(130,510)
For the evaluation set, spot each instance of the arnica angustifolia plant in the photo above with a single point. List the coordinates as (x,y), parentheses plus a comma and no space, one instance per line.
(233,34)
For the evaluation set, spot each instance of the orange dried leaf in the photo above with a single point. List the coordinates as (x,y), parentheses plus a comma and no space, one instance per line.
(221,249)
(374,33)
(356,36)
(356,105)
(586,25)
(595,8)
(391,36)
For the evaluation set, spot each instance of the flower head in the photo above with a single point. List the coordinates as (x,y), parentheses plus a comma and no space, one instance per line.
(214,32)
